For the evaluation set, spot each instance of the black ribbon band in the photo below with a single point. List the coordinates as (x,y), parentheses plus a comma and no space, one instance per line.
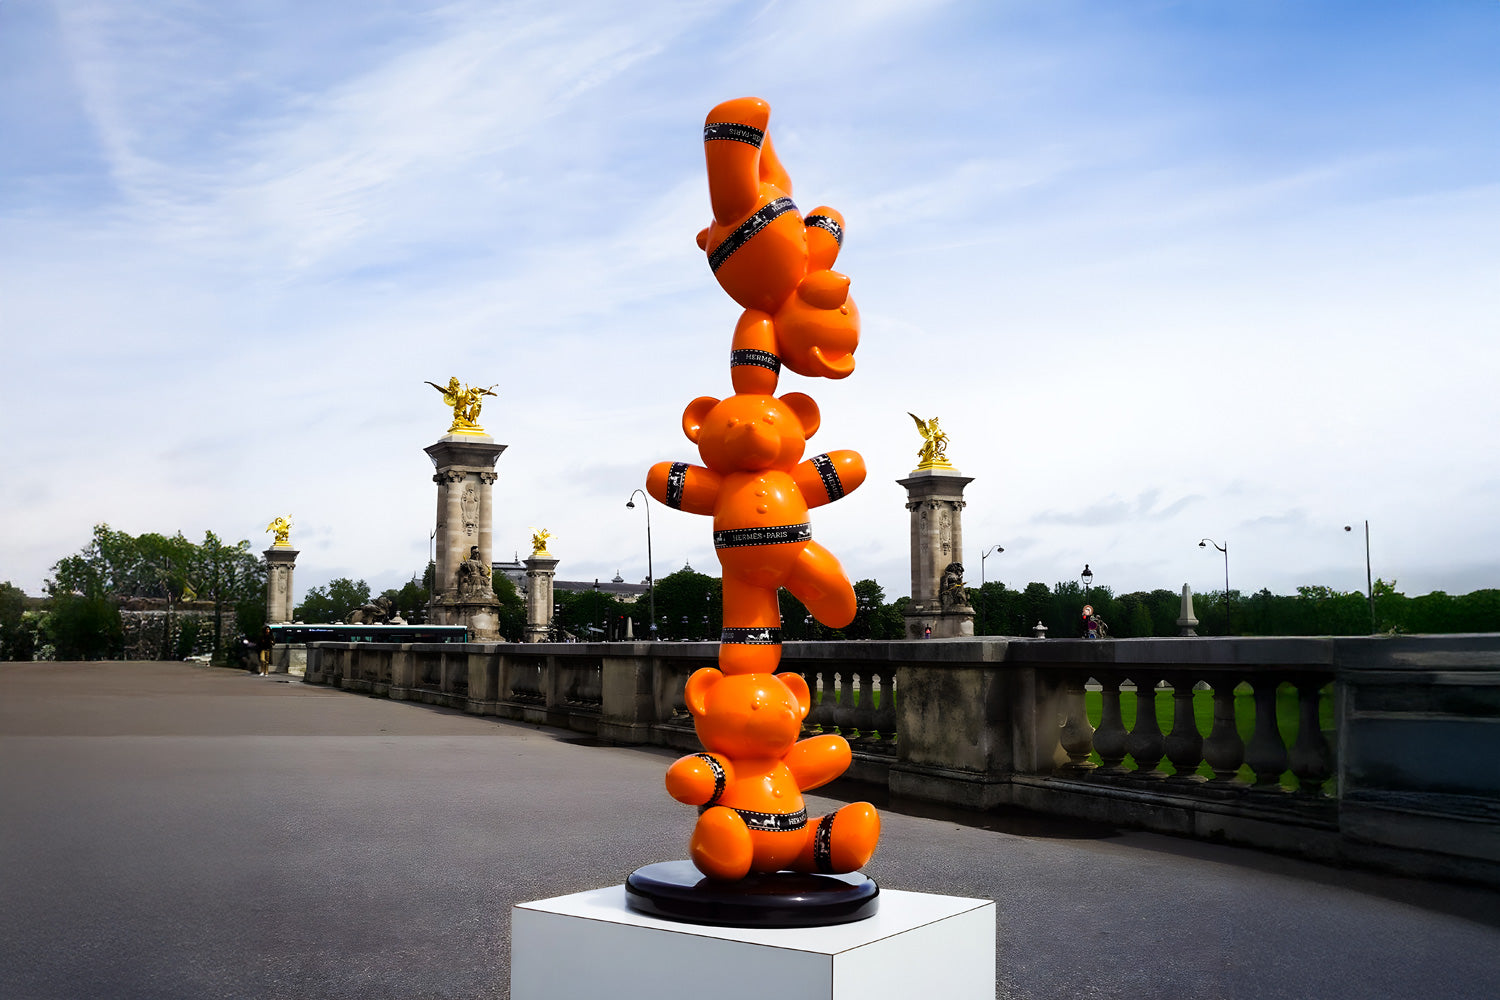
(830,475)
(676,480)
(746,230)
(754,356)
(751,636)
(732,538)
(823,845)
(719,776)
(828,223)
(774,822)
(733,130)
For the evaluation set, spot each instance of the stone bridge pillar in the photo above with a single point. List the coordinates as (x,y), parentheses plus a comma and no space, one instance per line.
(462,591)
(281,558)
(540,569)
(935,498)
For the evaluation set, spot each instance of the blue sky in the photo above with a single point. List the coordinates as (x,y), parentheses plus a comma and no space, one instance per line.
(1163,270)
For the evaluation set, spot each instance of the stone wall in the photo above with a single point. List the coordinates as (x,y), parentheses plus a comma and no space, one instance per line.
(1402,777)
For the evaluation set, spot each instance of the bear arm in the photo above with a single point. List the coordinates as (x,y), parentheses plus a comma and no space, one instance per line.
(684,487)
(818,760)
(825,478)
(699,779)
(825,235)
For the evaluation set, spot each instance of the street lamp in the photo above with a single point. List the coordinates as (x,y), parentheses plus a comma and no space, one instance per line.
(984,601)
(1087,576)
(1224,549)
(1369,582)
(650,574)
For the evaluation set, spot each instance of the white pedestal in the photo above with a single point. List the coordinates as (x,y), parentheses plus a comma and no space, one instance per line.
(590,945)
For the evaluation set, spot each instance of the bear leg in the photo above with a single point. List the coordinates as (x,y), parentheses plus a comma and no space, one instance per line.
(819,582)
(841,842)
(720,847)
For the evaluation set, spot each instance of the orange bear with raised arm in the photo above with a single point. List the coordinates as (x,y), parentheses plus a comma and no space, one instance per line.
(771,260)
(751,778)
(758,490)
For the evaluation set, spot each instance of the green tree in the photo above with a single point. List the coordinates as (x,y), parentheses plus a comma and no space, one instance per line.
(512,607)
(325,605)
(12,608)
(683,600)
(228,575)
(84,628)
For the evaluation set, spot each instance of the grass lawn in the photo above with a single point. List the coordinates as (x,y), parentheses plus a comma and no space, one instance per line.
(1203,712)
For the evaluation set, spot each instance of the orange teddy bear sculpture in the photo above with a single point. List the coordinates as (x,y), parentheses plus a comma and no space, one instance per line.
(758,493)
(755,485)
(771,260)
(750,780)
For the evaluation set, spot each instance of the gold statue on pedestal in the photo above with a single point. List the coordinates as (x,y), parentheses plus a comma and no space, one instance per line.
(466,401)
(934,453)
(539,538)
(283,529)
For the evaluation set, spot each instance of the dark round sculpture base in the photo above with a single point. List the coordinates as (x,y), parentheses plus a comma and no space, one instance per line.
(675,890)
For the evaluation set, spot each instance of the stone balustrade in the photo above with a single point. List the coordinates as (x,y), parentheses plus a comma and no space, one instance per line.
(1369,750)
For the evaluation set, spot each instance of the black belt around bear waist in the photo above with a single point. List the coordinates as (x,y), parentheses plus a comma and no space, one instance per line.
(731,538)
(774,822)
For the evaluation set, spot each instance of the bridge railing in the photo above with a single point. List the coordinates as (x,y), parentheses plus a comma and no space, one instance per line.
(1357,749)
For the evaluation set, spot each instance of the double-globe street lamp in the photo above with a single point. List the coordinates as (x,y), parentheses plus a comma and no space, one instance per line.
(983,599)
(650,572)
(1205,543)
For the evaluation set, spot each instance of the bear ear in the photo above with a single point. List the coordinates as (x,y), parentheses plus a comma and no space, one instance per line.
(807,411)
(693,417)
(696,692)
(798,686)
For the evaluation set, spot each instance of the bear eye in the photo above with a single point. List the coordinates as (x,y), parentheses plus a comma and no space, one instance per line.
(734,421)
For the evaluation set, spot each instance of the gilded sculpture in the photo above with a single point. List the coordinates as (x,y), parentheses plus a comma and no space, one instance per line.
(539,538)
(466,402)
(934,453)
(283,529)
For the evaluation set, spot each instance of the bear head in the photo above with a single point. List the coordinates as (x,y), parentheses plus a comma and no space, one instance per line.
(747,715)
(748,432)
(817,328)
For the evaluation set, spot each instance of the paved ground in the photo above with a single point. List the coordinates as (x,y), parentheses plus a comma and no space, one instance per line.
(170,830)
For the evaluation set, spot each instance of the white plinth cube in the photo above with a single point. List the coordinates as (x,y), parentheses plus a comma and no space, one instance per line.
(589,944)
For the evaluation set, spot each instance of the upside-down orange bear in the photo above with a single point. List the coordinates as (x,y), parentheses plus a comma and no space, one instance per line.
(771,260)
(758,493)
(751,776)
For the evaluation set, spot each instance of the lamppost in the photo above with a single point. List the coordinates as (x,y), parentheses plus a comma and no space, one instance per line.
(1087,576)
(1369,581)
(650,573)
(983,600)
(1228,630)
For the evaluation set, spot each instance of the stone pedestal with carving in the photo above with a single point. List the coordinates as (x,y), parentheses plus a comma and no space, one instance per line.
(462,591)
(540,570)
(280,560)
(935,498)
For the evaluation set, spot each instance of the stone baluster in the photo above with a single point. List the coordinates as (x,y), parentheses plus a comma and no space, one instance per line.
(1184,745)
(1075,735)
(1224,750)
(1109,738)
(1145,742)
(822,712)
(1312,761)
(846,714)
(885,715)
(1266,752)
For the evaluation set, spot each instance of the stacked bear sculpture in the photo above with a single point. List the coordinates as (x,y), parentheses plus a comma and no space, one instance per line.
(758,489)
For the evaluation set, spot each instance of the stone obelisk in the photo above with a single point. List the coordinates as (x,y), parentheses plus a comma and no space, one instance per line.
(281,559)
(462,590)
(939,606)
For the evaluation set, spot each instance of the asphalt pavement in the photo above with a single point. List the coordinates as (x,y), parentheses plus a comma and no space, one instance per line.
(172,830)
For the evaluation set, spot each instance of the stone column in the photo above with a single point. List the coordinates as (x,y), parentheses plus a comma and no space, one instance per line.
(539,573)
(935,498)
(465,476)
(280,560)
